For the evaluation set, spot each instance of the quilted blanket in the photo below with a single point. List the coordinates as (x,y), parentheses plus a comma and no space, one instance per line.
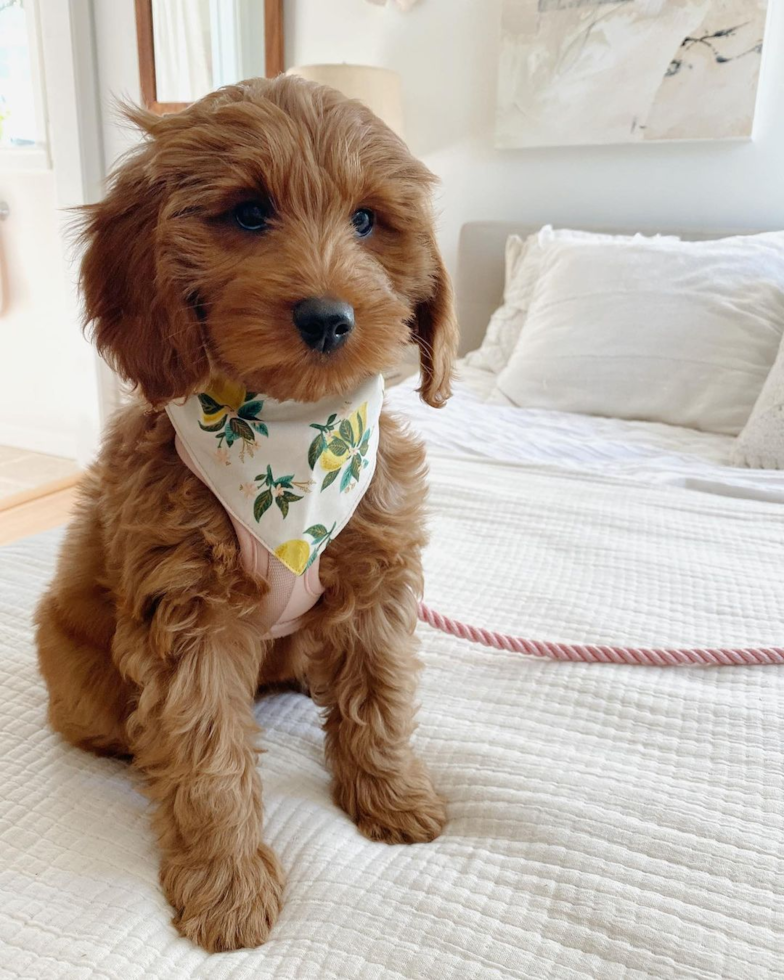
(605,822)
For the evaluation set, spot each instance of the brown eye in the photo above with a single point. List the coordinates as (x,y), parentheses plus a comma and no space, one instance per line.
(253,215)
(363,221)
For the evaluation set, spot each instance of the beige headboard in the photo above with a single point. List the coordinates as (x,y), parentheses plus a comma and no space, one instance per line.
(479,283)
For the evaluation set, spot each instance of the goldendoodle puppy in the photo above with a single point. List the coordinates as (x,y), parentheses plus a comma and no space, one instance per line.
(257,263)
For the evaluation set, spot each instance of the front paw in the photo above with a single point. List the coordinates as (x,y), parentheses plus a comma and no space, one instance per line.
(225,904)
(395,811)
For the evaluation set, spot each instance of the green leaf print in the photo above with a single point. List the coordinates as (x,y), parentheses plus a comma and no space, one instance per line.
(338,447)
(321,538)
(342,450)
(280,491)
(241,429)
(317,447)
(347,432)
(232,414)
(262,504)
(213,428)
(329,479)
(250,410)
(209,405)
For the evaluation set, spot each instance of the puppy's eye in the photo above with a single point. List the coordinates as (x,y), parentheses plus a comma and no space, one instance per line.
(253,215)
(363,221)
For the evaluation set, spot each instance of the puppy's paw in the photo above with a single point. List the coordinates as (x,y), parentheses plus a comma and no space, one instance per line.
(225,904)
(396,811)
(416,826)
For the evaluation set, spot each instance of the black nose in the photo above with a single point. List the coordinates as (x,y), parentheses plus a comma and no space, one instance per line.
(324,323)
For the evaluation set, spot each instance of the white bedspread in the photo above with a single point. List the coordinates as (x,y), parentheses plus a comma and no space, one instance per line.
(606,823)
(471,424)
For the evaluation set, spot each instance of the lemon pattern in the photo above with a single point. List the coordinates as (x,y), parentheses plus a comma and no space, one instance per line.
(294,554)
(232,413)
(291,473)
(297,555)
(341,447)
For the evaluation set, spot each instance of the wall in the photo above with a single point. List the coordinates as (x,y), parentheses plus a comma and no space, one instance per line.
(114,22)
(447,54)
(38,395)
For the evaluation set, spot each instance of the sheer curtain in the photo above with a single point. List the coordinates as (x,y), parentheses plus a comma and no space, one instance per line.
(183,51)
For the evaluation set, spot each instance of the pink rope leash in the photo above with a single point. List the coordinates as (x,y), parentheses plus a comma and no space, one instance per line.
(589,653)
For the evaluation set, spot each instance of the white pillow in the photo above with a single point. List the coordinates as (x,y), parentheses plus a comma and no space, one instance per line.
(505,324)
(761,443)
(661,331)
(523,264)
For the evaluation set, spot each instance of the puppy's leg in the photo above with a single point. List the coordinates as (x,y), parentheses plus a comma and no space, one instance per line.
(193,734)
(362,670)
(88,699)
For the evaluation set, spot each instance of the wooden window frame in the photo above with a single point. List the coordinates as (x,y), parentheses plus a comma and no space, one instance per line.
(273,52)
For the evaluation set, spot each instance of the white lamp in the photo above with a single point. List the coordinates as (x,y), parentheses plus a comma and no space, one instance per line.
(378,88)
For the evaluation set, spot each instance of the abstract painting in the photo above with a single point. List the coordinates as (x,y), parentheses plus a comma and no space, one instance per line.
(578,72)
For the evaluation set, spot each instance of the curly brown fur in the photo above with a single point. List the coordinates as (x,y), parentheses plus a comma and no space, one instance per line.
(149,639)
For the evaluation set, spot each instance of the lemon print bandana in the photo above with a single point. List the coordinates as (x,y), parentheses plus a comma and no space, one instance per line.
(291,473)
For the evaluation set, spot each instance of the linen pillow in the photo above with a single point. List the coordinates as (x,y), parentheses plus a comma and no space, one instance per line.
(523,258)
(506,322)
(660,331)
(761,443)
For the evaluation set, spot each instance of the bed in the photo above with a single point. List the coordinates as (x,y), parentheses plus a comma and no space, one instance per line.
(622,823)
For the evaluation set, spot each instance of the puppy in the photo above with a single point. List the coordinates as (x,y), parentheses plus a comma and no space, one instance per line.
(229,216)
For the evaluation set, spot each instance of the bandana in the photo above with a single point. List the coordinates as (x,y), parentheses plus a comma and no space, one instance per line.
(291,473)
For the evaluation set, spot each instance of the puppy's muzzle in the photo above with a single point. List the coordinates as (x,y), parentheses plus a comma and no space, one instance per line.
(324,324)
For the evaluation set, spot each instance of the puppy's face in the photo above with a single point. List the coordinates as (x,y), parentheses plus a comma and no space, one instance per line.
(274,232)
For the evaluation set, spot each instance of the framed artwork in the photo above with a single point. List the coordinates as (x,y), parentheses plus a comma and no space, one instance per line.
(580,72)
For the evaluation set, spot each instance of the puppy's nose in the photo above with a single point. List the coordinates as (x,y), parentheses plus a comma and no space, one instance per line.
(323,323)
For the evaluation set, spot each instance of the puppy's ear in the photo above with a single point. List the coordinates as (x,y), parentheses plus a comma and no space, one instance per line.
(142,320)
(437,334)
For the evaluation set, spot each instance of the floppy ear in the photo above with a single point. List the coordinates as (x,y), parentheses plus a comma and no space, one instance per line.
(436,333)
(142,320)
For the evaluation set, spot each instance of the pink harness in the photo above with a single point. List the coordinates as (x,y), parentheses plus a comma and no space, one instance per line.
(290,596)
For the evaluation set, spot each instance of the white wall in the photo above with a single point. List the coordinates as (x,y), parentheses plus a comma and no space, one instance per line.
(114,22)
(447,54)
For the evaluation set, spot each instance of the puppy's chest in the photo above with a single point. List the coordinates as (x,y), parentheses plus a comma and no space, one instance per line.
(281,609)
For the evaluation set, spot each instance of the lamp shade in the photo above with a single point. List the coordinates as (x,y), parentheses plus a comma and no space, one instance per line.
(378,88)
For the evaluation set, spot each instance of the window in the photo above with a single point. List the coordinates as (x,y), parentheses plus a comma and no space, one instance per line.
(21,115)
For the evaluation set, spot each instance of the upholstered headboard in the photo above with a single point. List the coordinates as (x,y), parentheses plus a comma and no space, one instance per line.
(479,283)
